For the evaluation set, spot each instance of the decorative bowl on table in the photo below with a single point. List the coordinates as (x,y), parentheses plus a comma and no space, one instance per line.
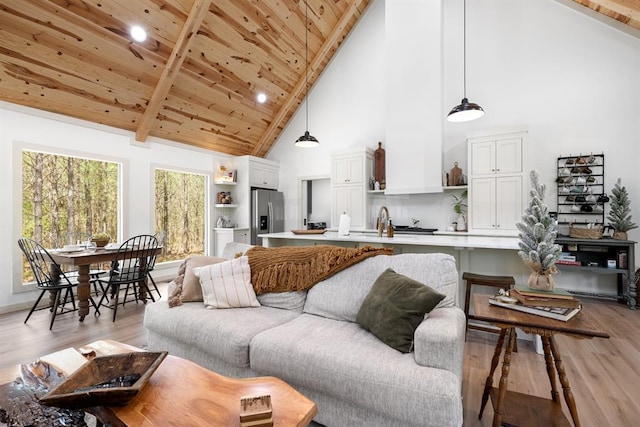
(101,243)
(105,381)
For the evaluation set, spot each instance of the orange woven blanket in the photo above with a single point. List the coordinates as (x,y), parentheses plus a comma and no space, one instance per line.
(293,268)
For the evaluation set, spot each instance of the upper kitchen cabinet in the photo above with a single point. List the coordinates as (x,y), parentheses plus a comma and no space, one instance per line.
(414,97)
(496,156)
(348,169)
(497,184)
(263,175)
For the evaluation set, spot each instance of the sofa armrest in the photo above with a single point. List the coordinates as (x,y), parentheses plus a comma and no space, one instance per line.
(439,340)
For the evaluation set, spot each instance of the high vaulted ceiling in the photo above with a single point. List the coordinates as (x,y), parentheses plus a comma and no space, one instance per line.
(196,77)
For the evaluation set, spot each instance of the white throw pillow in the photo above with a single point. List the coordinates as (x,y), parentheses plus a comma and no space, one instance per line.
(227,284)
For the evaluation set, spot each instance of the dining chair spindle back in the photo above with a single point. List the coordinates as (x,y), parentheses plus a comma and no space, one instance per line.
(130,267)
(50,278)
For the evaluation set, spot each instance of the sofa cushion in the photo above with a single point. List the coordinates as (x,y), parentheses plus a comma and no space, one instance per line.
(227,284)
(235,249)
(225,334)
(191,289)
(340,296)
(342,360)
(395,307)
(293,300)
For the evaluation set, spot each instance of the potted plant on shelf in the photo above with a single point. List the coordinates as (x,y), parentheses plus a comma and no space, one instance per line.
(538,232)
(620,214)
(460,208)
(101,239)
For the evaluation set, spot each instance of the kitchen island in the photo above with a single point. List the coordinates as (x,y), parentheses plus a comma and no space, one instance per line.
(481,254)
(359,238)
(494,255)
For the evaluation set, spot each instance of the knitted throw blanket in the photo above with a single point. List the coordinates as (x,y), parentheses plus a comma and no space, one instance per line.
(293,268)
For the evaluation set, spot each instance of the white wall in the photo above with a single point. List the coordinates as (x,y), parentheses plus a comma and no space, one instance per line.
(22,127)
(571,79)
(346,109)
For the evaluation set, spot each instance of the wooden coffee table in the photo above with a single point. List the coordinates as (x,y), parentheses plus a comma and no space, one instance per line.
(181,392)
(513,408)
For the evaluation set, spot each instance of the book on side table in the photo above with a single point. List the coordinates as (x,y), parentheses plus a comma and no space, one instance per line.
(558,313)
(544,300)
(556,304)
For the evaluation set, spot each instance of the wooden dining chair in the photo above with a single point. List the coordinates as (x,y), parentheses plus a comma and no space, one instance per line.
(50,279)
(129,268)
(161,237)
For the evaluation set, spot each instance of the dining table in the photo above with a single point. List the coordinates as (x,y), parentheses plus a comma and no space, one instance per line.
(83,259)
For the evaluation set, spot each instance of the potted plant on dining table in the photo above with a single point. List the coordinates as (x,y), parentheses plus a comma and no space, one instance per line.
(101,239)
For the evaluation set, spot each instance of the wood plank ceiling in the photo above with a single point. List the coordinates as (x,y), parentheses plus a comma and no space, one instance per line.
(196,77)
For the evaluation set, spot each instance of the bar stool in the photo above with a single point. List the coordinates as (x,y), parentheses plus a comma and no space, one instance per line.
(471,279)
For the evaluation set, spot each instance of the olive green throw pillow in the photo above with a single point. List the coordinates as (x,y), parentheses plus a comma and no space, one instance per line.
(395,307)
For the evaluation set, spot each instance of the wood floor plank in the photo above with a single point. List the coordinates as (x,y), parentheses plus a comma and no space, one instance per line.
(604,373)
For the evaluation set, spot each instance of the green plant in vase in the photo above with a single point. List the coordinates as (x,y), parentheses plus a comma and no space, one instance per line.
(460,208)
(538,232)
(620,214)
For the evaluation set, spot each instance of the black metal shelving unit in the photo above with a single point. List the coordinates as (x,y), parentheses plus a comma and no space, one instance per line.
(580,185)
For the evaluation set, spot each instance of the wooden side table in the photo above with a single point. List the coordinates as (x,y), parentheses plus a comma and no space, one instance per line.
(513,408)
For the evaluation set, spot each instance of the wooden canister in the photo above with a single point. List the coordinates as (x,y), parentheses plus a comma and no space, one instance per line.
(378,166)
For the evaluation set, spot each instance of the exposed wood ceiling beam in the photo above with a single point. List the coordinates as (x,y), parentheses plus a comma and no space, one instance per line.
(170,72)
(290,103)
(625,11)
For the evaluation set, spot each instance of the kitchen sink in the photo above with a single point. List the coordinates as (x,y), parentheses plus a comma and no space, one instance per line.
(406,229)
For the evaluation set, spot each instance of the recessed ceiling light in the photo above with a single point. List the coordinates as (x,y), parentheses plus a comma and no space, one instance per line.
(138,33)
(262,98)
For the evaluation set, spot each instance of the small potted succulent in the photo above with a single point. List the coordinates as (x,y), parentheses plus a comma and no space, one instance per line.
(101,239)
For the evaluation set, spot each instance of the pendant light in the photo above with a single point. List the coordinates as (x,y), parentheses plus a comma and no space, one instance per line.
(307,140)
(466,111)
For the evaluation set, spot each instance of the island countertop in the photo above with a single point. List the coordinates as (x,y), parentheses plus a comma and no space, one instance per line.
(444,240)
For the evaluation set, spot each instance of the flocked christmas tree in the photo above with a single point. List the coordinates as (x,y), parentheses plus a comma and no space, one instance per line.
(620,214)
(538,231)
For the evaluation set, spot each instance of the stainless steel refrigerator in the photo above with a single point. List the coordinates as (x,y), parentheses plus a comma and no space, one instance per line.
(267,213)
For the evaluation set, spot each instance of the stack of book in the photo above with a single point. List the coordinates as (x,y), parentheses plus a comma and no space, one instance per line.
(255,411)
(557,304)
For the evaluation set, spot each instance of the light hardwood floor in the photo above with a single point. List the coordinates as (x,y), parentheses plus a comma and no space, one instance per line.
(604,373)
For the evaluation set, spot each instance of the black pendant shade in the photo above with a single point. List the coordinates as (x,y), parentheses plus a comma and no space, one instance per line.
(465,112)
(307,141)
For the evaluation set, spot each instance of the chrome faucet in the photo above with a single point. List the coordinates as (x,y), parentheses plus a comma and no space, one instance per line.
(380,222)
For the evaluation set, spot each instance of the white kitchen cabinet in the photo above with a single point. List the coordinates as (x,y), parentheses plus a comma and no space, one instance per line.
(497,185)
(348,170)
(351,200)
(225,235)
(350,173)
(496,156)
(497,203)
(263,175)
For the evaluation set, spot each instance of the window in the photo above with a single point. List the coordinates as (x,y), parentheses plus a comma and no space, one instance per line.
(66,199)
(180,212)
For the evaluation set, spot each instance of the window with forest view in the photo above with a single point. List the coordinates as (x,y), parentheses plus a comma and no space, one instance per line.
(180,199)
(66,199)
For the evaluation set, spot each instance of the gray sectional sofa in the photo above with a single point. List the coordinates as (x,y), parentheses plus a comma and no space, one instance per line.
(311,340)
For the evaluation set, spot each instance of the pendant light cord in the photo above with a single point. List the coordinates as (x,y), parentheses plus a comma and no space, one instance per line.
(464,47)
(306,64)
